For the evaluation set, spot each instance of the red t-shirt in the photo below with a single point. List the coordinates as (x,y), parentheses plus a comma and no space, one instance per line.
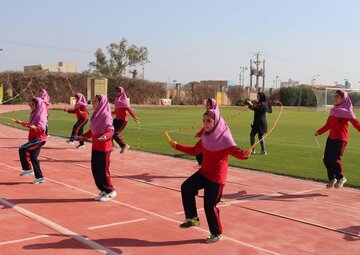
(121,113)
(81,112)
(38,133)
(100,145)
(215,163)
(339,128)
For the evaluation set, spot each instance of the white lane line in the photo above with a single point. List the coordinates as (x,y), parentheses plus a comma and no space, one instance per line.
(255,198)
(156,215)
(58,228)
(117,223)
(23,240)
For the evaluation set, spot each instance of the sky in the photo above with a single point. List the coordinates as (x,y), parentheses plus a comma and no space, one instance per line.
(191,40)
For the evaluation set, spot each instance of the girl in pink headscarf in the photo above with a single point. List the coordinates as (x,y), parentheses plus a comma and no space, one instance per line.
(81,111)
(101,132)
(30,151)
(122,106)
(338,124)
(216,143)
(210,103)
(46,98)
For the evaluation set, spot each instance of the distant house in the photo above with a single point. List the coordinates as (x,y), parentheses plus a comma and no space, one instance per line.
(289,83)
(63,67)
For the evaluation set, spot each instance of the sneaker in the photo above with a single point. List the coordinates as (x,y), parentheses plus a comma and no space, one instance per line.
(26,172)
(125,148)
(331,184)
(80,147)
(37,181)
(263,152)
(108,196)
(253,151)
(213,238)
(70,142)
(97,198)
(191,222)
(340,183)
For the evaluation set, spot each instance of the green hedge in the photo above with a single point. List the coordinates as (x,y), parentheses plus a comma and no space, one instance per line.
(293,96)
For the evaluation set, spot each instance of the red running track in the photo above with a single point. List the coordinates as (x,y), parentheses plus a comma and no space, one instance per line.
(261,213)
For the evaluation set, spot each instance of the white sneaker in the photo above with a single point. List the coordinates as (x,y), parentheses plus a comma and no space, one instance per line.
(70,142)
(102,193)
(263,153)
(331,184)
(108,196)
(253,151)
(125,148)
(37,181)
(26,172)
(80,147)
(340,183)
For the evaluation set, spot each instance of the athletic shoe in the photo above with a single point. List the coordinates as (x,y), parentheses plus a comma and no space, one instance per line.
(37,181)
(70,142)
(191,222)
(340,183)
(26,172)
(213,238)
(108,196)
(331,184)
(263,152)
(48,136)
(125,148)
(80,147)
(253,151)
(97,198)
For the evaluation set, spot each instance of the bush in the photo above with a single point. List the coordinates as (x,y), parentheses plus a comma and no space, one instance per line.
(63,86)
(237,95)
(292,96)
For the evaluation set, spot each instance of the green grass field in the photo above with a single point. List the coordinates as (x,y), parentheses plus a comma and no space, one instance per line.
(291,147)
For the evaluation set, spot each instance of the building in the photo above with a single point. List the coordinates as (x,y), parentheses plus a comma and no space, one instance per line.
(289,83)
(63,67)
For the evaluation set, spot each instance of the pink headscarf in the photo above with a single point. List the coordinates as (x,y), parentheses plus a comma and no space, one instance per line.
(101,120)
(215,107)
(82,100)
(45,97)
(213,104)
(38,117)
(121,101)
(220,137)
(344,109)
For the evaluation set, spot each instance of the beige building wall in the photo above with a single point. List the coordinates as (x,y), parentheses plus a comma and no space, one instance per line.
(63,67)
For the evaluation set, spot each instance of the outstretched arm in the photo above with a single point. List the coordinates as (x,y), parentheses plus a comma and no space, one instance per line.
(192,150)
(325,128)
(355,124)
(239,153)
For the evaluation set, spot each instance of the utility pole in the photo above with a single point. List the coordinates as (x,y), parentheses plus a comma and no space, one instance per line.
(257,71)
(242,75)
(257,62)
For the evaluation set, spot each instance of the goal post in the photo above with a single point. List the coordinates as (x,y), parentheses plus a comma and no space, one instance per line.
(325,97)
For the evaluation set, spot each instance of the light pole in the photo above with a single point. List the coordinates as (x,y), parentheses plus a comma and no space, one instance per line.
(241,75)
(313,79)
(143,68)
(276,81)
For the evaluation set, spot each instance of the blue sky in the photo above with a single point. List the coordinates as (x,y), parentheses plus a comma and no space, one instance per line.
(191,40)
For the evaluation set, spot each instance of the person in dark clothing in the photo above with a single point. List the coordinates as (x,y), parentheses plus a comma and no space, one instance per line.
(259,125)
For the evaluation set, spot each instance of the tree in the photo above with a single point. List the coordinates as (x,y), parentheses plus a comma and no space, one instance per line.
(120,56)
